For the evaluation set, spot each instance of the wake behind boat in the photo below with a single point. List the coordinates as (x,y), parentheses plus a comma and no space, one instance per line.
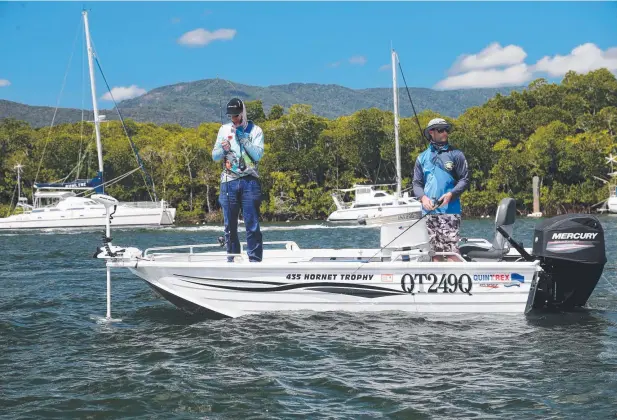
(559,272)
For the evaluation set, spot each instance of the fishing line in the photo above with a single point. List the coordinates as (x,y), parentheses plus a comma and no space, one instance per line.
(439,202)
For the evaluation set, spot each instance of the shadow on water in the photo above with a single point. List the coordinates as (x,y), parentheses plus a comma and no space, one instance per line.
(587,318)
(169,315)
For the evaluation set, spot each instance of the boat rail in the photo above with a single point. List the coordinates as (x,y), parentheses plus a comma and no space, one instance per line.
(339,202)
(289,245)
(150,252)
(405,257)
(144,204)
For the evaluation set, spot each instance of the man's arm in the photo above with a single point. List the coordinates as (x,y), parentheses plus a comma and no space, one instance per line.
(418,180)
(217,151)
(460,166)
(255,146)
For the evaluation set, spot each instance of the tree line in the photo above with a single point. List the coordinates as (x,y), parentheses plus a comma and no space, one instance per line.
(559,132)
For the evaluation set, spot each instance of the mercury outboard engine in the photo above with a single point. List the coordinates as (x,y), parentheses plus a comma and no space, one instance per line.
(572,254)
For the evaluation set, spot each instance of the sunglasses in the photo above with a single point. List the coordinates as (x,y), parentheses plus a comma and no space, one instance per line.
(441,130)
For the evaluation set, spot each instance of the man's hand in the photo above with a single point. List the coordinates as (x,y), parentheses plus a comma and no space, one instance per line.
(427,203)
(242,137)
(445,199)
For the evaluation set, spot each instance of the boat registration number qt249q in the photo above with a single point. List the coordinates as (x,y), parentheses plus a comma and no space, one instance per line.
(444,283)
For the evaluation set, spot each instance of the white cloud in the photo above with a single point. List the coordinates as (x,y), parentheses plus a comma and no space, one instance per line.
(492,56)
(385,67)
(358,59)
(200,37)
(4,83)
(582,59)
(516,75)
(495,66)
(121,93)
(335,64)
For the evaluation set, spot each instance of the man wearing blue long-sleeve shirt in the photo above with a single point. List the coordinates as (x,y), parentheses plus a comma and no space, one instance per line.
(440,174)
(240,145)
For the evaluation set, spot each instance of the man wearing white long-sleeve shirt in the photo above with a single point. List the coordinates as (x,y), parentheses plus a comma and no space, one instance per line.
(240,145)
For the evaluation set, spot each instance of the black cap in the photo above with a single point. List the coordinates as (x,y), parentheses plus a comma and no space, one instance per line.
(235,107)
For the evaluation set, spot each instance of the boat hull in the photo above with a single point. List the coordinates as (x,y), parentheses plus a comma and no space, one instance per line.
(611,205)
(352,214)
(94,217)
(237,289)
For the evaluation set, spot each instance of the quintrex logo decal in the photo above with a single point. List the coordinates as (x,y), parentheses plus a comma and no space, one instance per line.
(515,280)
(495,280)
(577,235)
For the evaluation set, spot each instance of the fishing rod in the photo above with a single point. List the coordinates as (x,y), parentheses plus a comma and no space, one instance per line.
(226,238)
(409,96)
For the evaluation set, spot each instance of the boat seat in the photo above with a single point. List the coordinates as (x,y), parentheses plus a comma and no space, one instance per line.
(496,250)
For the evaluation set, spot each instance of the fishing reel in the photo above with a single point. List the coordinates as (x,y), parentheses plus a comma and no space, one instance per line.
(241,165)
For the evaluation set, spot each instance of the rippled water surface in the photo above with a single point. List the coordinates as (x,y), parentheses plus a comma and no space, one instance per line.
(58,359)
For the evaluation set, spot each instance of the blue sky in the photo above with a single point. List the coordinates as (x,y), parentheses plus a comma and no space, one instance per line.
(445,45)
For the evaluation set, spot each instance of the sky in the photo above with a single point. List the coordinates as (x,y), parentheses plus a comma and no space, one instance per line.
(441,45)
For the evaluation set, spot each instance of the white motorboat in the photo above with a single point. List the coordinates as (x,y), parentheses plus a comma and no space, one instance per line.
(370,202)
(57,205)
(610,204)
(559,272)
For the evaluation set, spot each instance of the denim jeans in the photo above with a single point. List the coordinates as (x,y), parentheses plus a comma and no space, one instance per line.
(243,193)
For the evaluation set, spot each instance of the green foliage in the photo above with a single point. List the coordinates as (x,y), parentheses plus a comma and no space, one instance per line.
(255,111)
(560,133)
(276,112)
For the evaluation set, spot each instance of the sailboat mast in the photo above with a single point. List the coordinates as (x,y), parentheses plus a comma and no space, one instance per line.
(97,127)
(396,127)
(18,167)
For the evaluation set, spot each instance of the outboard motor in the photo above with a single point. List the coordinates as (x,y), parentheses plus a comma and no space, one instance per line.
(572,255)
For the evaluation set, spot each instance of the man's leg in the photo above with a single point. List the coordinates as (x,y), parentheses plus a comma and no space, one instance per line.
(432,226)
(444,234)
(228,198)
(451,233)
(251,200)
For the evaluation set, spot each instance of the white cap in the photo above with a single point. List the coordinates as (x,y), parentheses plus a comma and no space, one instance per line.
(437,122)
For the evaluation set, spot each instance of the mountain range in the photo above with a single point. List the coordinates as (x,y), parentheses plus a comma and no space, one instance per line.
(192,103)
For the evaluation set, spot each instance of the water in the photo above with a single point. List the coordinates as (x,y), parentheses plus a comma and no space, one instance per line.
(58,360)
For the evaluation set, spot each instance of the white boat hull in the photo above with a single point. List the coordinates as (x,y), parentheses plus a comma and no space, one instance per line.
(611,204)
(404,274)
(353,214)
(283,282)
(93,217)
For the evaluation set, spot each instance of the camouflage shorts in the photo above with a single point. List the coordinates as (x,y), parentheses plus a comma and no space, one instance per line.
(443,232)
